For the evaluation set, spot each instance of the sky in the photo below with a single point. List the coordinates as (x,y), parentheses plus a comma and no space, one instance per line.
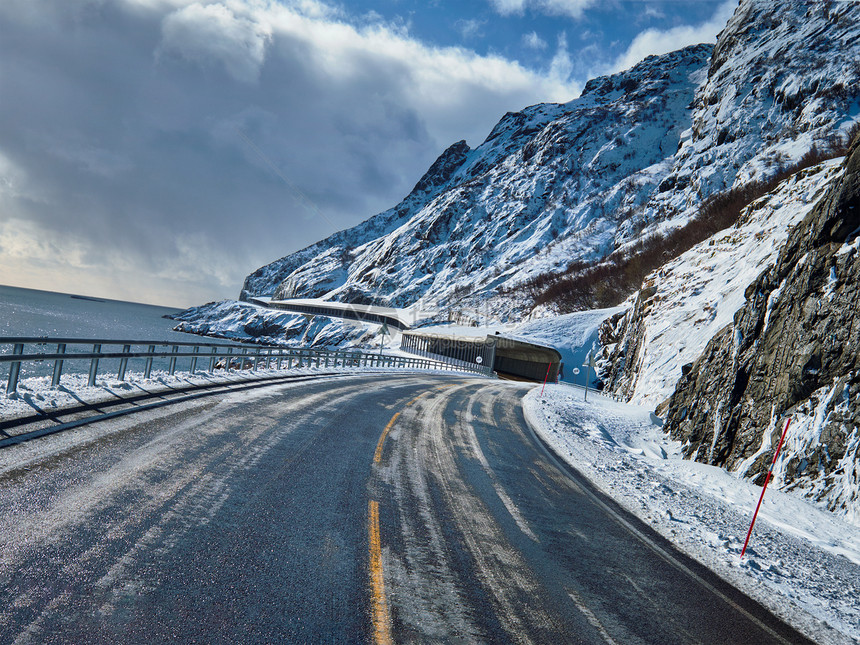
(161,150)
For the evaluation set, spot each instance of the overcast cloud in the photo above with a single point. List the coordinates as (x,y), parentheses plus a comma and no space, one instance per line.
(160,150)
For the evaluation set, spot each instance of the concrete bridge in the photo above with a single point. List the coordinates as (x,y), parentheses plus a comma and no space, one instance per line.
(397,318)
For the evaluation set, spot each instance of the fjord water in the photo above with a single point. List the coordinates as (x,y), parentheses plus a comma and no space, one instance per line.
(27,312)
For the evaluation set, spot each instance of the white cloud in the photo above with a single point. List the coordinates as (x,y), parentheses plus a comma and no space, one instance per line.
(656,42)
(470,28)
(653,12)
(120,138)
(572,8)
(533,41)
(561,65)
(509,7)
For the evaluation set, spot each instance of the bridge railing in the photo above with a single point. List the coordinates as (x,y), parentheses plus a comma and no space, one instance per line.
(45,356)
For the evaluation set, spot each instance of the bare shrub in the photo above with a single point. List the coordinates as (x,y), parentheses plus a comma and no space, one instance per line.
(587,285)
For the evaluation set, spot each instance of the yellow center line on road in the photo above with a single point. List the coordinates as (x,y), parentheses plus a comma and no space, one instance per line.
(377,456)
(381,619)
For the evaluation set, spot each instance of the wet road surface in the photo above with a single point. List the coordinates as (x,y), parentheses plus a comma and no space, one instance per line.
(350,510)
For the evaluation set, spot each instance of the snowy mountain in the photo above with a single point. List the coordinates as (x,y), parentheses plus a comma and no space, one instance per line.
(248,322)
(634,155)
(548,179)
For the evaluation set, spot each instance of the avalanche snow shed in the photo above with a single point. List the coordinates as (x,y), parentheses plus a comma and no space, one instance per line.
(509,357)
(364,313)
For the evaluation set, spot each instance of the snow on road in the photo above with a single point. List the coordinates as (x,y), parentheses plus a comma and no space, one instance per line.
(803,562)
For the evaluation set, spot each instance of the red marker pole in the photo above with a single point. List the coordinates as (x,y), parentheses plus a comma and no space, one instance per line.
(766,482)
(545,378)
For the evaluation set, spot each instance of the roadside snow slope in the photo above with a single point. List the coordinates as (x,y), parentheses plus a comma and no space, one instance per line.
(803,563)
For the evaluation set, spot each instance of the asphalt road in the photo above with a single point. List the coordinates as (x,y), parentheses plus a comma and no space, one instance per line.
(350,510)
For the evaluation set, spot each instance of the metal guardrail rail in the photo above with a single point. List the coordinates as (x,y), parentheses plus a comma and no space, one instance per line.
(16,351)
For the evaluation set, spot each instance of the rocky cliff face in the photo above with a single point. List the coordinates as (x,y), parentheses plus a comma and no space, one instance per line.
(791,350)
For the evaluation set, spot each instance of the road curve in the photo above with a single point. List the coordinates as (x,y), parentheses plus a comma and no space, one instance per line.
(353,510)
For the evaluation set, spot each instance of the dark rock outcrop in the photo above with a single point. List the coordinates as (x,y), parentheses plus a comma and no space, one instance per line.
(793,348)
(622,338)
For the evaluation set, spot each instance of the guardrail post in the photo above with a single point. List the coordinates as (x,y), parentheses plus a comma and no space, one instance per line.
(268,358)
(256,360)
(94,366)
(14,369)
(172,366)
(58,366)
(214,353)
(147,370)
(194,359)
(123,363)
(228,359)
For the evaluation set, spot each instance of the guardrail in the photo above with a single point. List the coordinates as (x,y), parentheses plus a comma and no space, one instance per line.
(17,351)
(477,365)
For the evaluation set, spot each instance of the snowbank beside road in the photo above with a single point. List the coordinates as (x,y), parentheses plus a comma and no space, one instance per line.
(803,563)
(36,395)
